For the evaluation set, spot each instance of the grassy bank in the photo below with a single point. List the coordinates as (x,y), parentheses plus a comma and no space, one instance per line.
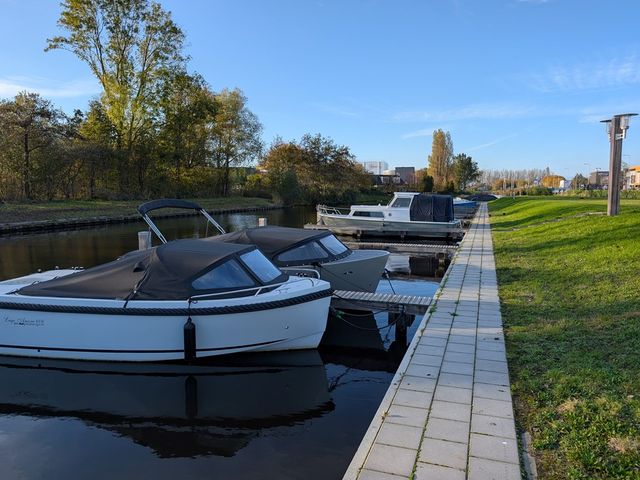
(570,290)
(60,210)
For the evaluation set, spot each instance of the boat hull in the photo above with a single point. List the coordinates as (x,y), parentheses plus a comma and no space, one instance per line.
(350,225)
(360,271)
(154,331)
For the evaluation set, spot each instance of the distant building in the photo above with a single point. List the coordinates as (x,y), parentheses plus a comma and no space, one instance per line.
(632,178)
(407,174)
(377,168)
(599,179)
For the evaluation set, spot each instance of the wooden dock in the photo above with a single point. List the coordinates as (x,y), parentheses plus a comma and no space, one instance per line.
(397,247)
(410,304)
(446,234)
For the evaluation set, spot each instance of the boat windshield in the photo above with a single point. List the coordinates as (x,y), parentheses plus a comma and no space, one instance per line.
(260,266)
(335,246)
(307,251)
(401,202)
(228,275)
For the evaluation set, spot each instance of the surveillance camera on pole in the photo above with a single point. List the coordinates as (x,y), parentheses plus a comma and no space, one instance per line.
(617,130)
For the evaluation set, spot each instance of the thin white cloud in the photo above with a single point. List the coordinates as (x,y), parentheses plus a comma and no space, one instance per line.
(595,113)
(491,143)
(425,132)
(11,86)
(615,72)
(335,110)
(467,112)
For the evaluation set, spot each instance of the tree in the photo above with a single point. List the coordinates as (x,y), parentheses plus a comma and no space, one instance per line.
(465,171)
(29,128)
(440,159)
(579,181)
(330,170)
(130,46)
(427,183)
(235,135)
(315,169)
(282,162)
(551,181)
(187,109)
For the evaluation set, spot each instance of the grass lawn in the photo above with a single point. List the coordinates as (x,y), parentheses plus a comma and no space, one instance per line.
(569,280)
(60,210)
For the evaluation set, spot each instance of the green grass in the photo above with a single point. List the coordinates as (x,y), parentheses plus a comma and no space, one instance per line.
(569,280)
(60,210)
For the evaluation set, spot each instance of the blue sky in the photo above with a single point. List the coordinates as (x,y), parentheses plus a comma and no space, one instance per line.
(518,83)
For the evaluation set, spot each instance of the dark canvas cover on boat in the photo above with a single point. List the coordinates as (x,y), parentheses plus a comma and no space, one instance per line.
(271,240)
(431,208)
(160,273)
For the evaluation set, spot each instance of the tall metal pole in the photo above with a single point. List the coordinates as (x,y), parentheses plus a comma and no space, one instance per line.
(615,166)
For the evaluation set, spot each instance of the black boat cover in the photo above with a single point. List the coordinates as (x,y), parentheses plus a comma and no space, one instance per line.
(160,273)
(167,203)
(431,208)
(272,240)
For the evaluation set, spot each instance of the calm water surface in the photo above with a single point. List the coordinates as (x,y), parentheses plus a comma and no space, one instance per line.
(282,415)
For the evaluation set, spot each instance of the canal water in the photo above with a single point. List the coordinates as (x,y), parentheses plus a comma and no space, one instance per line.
(281,415)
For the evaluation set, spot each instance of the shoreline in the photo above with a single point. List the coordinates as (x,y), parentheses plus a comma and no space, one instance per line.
(34,226)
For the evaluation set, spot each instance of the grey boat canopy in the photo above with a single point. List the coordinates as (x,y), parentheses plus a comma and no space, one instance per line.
(177,270)
(431,208)
(286,246)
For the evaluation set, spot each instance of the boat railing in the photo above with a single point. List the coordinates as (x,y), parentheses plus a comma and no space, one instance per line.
(258,289)
(328,210)
(306,271)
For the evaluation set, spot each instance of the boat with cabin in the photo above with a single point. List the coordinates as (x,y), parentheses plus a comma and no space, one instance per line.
(408,214)
(294,250)
(185,299)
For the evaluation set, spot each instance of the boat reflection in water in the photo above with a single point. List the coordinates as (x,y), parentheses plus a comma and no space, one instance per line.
(175,410)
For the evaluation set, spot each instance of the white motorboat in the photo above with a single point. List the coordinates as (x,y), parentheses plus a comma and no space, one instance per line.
(295,250)
(408,214)
(185,299)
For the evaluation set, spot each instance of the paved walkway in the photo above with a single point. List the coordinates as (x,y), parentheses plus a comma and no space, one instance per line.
(448,412)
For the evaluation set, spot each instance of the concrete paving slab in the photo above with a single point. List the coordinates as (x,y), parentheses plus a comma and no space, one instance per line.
(400,435)
(413,398)
(427,471)
(494,408)
(441,452)
(451,430)
(373,475)
(402,415)
(389,459)
(453,394)
(493,448)
(496,426)
(483,469)
(451,411)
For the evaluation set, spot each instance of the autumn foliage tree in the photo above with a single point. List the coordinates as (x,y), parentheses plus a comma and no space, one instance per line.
(551,181)
(315,169)
(441,159)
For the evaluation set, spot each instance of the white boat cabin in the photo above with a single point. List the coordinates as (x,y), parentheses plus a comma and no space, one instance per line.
(396,209)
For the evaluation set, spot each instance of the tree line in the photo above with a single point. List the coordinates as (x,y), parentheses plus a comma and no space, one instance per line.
(156,129)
